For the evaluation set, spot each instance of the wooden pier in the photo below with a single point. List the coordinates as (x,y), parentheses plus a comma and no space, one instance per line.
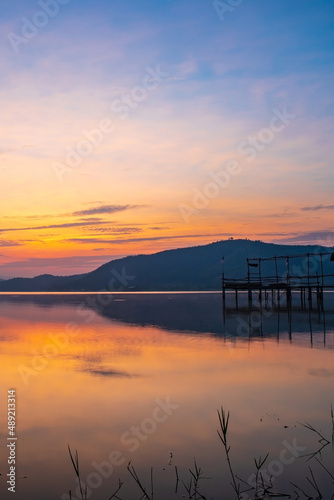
(274,287)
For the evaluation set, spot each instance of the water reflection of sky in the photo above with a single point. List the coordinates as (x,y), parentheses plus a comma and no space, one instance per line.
(85,374)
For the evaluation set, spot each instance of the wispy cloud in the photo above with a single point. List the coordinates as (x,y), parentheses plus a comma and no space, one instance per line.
(325,238)
(25,146)
(55,226)
(107,373)
(316,208)
(110,231)
(153,238)
(9,243)
(105,209)
(82,260)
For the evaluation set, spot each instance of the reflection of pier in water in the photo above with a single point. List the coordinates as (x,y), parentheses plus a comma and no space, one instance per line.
(287,320)
(304,275)
(185,314)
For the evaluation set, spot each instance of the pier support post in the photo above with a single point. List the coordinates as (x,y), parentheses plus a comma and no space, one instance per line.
(320,298)
(249,297)
(310,297)
(223,285)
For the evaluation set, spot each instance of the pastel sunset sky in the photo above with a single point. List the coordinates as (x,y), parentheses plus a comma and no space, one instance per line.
(135,126)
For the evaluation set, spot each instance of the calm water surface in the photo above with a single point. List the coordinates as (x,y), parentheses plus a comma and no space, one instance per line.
(139,377)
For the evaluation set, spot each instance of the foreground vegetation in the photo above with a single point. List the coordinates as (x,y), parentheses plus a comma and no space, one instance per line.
(260,488)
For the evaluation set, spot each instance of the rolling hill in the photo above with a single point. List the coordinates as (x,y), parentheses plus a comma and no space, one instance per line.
(193,268)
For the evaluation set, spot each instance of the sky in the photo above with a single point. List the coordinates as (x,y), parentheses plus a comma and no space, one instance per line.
(136,126)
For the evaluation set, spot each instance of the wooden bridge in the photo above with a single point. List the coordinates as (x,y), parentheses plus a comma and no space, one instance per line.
(275,286)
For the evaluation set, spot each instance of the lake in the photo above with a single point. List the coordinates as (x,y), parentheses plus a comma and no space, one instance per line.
(139,377)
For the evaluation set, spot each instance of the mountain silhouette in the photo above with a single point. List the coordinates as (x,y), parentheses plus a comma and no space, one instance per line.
(189,269)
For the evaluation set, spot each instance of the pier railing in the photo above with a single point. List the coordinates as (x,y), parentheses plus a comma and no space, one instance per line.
(307,283)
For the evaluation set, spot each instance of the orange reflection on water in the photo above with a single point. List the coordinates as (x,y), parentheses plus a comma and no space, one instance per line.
(108,376)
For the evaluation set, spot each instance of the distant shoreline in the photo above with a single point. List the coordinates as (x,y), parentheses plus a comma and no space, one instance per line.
(154,292)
